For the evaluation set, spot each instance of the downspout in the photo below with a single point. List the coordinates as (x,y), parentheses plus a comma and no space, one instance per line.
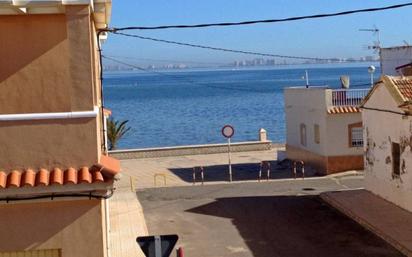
(107,221)
(50,115)
(101,88)
(105,149)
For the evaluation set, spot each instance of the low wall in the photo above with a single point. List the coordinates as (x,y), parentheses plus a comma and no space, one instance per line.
(191,150)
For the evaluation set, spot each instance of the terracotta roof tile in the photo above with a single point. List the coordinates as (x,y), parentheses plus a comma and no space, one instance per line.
(343,109)
(42,177)
(70,176)
(3,179)
(108,166)
(404,86)
(97,177)
(84,175)
(29,178)
(56,177)
(105,171)
(14,179)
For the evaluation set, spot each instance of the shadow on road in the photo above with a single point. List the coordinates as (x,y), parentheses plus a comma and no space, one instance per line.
(243,171)
(295,226)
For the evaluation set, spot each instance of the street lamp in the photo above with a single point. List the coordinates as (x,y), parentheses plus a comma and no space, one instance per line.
(371,70)
(306,77)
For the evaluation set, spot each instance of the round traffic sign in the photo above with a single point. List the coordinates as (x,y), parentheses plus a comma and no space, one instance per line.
(228,131)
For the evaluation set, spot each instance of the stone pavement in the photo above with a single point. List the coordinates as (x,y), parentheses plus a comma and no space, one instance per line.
(177,171)
(385,219)
(126,223)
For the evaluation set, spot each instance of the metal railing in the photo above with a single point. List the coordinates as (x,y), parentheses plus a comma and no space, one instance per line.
(348,97)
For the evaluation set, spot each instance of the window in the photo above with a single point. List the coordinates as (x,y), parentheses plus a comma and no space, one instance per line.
(396,159)
(316,132)
(357,137)
(355,132)
(303,134)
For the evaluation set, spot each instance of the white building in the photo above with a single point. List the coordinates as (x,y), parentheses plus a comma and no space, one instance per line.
(324,127)
(386,113)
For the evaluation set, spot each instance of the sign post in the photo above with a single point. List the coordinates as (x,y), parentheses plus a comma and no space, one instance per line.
(228,131)
(157,246)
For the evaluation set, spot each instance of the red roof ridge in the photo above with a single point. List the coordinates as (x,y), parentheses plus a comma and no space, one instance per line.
(103,172)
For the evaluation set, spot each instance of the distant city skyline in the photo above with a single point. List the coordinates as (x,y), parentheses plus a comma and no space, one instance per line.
(256,62)
(336,37)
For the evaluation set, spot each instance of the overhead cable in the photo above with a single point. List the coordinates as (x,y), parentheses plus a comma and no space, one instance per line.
(223,49)
(224,24)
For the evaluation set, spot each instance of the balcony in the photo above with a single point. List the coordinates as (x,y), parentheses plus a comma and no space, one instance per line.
(348,97)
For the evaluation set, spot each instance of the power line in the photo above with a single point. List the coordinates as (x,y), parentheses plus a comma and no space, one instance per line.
(222,49)
(135,66)
(316,16)
(167,60)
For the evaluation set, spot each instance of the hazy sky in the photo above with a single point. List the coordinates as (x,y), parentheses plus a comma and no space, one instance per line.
(327,37)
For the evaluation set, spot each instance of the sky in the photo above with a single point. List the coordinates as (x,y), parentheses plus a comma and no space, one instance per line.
(322,38)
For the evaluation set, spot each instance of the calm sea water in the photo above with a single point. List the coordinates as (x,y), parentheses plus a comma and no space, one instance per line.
(190,107)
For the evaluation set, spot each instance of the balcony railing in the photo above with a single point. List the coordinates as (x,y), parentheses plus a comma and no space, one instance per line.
(348,97)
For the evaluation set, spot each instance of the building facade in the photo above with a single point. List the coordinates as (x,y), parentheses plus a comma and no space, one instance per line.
(386,113)
(393,57)
(55,175)
(324,128)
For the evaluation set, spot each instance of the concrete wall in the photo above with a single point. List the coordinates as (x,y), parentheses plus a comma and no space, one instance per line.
(380,130)
(74,226)
(49,64)
(190,150)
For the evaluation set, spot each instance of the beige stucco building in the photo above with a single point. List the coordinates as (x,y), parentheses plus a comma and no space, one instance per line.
(386,113)
(54,172)
(324,127)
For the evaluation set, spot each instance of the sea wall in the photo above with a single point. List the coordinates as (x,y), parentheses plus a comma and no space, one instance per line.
(192,150)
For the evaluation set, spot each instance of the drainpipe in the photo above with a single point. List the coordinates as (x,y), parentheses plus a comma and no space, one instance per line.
(50,115)
(105,135)
(107,221)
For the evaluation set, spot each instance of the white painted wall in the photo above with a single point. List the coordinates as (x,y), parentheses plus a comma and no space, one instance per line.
(394,57)
(380,130)
(337,134)
(309,106)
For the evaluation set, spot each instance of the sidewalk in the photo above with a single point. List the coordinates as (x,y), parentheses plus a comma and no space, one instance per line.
(178,171)
(385,219)
(126,223)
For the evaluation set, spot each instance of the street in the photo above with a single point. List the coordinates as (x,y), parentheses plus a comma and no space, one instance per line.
(260,219)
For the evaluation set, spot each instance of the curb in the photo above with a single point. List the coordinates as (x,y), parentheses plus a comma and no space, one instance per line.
(347,212)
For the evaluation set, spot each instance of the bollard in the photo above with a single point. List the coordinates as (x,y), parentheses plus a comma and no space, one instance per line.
(194,175)
(179,252)
(202,174)
(260,172)
(268,172)
(263,137)
(303,169)
(294,169)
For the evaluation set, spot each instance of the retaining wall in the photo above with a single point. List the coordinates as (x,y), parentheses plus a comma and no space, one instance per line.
(192,150)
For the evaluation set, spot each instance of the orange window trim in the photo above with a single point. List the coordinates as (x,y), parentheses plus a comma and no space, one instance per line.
(350,126)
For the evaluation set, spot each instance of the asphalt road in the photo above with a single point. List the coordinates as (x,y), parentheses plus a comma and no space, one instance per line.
(266,219)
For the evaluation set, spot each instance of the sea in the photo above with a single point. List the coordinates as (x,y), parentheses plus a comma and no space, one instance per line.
(189,107)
